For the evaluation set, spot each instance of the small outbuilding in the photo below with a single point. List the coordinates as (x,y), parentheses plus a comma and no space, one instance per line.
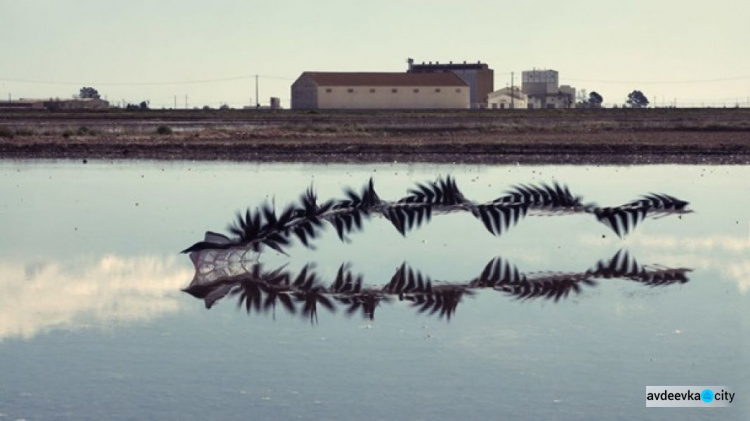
(379,90)
(507,98)
(77,104)
(23,104)
(56,104)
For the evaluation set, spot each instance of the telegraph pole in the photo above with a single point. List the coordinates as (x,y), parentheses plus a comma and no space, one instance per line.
(186,103)
(175,102)
(257,99)
(512,98)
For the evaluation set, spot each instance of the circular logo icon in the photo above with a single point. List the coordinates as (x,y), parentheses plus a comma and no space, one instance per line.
(707,395)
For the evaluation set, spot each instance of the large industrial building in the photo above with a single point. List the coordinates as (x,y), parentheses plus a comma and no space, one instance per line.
(544,91)
(337,90)
(479,77)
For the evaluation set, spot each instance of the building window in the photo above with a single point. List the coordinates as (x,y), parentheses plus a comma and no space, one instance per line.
(350,90)
(458,90)
(394,90)
(372,90)
(329,90)
(437,90)
(416,90)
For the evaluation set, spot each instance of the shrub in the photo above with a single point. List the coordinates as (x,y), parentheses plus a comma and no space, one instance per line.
(164,130)
(85,131)
(25,132)
(6,132)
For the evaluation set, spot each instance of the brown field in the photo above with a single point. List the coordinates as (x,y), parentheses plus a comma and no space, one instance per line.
(526,136)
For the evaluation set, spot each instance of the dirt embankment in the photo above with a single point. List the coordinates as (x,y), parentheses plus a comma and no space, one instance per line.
(526,136)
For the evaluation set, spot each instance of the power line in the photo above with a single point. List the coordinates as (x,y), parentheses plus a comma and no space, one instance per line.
(663,82)
(183,82)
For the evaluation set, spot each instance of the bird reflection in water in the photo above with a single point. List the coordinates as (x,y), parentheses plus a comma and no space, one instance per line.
(261,291)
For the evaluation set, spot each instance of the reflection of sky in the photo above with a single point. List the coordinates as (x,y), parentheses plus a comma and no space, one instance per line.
(96,245)
(38,297)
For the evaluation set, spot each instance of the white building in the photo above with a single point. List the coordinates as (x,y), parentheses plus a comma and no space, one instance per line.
(507,98)
(336,90)
(544,91)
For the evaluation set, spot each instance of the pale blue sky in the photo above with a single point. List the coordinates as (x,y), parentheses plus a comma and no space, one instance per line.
(134,49)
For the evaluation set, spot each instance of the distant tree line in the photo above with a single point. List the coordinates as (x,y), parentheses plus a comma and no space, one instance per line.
(635,99)
(143,106)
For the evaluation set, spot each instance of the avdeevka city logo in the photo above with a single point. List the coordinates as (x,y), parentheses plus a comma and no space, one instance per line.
(689,396)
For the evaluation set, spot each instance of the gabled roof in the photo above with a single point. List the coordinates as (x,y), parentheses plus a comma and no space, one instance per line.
(448,66)
(515,93)
(384,79)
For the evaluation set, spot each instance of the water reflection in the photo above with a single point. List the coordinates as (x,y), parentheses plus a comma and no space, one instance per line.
(46,295)
(726,255)
(261,291)
(671,334)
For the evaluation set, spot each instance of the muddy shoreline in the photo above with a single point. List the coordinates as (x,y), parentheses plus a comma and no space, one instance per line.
(538,137)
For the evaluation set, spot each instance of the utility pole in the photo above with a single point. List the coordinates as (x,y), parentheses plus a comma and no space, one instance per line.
(175,102)
(512,97)
(257,98)
(186,103)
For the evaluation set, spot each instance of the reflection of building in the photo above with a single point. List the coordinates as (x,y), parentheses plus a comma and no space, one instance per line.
(542,87)
(508,98)
(335,90)
(478,76)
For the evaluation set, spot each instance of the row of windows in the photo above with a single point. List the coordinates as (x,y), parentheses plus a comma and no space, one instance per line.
(393,90)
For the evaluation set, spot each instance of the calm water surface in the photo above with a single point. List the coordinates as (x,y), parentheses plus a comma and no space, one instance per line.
(93,324)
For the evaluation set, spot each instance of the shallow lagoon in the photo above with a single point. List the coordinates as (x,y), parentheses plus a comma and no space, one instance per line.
(93,323)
